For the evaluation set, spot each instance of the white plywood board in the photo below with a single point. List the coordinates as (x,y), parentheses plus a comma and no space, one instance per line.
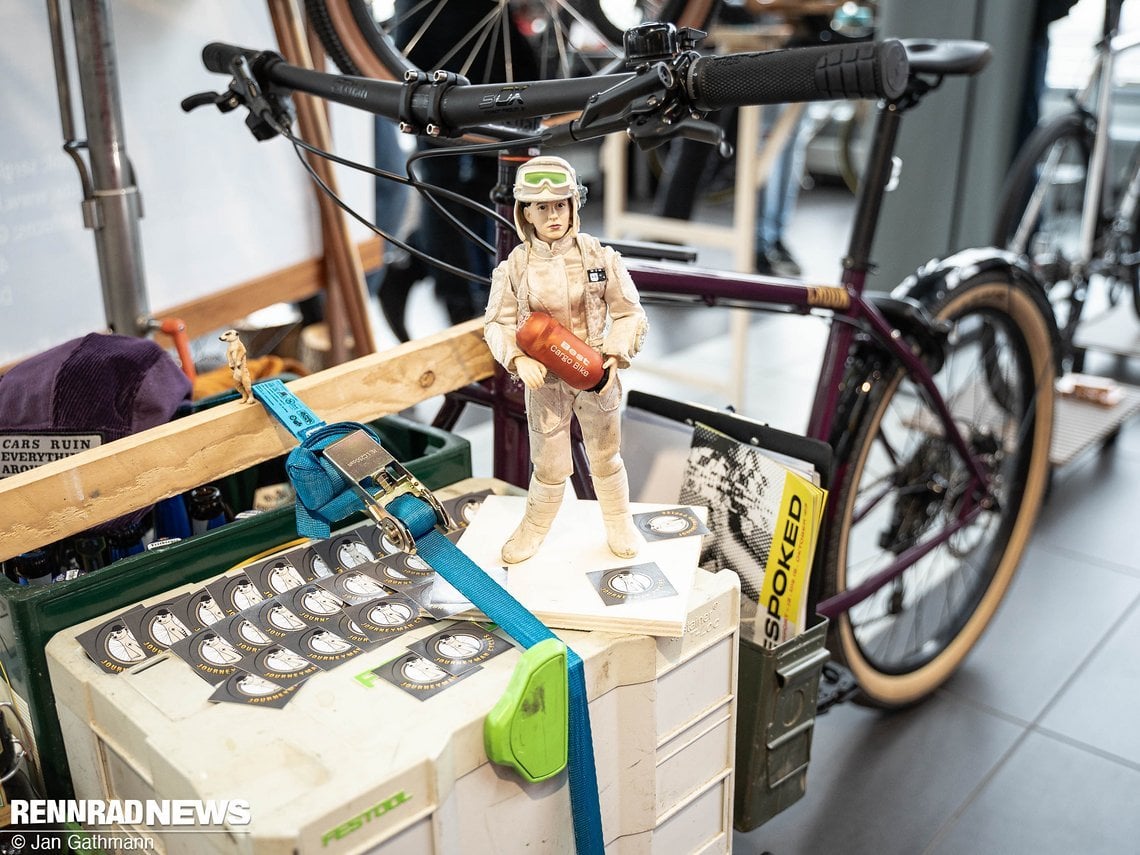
(555,584)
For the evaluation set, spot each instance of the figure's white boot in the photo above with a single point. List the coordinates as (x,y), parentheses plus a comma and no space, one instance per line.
(542,503)
(624,540)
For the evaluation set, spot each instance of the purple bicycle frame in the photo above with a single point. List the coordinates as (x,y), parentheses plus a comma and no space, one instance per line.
(503,395)
(709,287)
(846,301)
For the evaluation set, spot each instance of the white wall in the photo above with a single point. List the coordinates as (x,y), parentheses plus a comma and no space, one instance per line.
(219,207)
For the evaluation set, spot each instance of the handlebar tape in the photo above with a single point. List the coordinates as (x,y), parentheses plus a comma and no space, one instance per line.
(218,56)
(833,72)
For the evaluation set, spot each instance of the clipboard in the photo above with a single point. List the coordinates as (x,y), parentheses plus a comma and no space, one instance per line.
(667,422)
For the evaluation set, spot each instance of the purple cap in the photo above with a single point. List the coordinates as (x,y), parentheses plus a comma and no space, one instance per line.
(83,393)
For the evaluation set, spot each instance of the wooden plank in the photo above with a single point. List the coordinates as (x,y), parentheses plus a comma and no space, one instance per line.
(68,496)
(221,308)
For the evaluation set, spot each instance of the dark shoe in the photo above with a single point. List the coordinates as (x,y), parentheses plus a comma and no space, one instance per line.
(777,261)
(396,281)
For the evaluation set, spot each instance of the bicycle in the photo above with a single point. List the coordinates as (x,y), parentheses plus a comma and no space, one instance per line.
(381,40)
(1062,208)
(937,399)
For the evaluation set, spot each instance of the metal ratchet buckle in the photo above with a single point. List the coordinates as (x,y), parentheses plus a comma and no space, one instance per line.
(358,457)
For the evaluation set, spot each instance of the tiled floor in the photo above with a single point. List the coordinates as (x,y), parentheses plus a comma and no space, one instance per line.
(1034,745)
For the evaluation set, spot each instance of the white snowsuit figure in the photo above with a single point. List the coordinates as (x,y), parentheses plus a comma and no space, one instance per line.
(584,286)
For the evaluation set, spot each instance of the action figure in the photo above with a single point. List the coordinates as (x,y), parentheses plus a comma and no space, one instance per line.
(236,360)
(583,286)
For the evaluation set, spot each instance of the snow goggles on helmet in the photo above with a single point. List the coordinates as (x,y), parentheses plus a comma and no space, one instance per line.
(547,179)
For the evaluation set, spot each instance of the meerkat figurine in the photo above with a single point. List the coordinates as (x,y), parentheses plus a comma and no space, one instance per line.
(236,359)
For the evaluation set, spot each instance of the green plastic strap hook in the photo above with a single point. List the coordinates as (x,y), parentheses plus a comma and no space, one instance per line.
(528,729)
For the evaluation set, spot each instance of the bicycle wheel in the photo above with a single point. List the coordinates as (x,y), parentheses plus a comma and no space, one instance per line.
(904,484)
(1126,233)
(487,40)
(1041,205)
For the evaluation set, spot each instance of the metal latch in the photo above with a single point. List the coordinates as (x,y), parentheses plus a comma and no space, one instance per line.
(364,463)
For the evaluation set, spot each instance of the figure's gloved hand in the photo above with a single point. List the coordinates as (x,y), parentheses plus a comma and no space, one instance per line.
(530,371)
(610,367)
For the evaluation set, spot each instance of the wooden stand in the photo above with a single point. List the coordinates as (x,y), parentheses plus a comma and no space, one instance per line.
(754,162)
(68,496)
(346,307)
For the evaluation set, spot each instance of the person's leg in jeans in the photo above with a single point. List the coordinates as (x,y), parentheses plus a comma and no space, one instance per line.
(391,198)
(474,177)
(399,271)
(777,202)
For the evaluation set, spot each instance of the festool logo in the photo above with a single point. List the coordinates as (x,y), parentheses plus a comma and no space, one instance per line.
(361,819)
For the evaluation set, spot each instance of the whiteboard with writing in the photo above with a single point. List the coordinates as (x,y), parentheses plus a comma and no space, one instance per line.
(219,207)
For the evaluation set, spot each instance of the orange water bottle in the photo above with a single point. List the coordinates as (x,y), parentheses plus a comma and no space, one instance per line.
(571,359)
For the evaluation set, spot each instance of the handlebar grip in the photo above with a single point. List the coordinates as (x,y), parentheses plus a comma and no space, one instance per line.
(219,56)
(832,72)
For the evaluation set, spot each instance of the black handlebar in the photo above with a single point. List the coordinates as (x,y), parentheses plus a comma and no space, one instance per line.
(610,102)
(833,72)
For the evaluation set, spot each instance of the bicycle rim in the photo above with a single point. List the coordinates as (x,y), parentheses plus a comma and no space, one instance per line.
(1134,276)
(905,485)
(487,40)
(1040,213)
(1131,273)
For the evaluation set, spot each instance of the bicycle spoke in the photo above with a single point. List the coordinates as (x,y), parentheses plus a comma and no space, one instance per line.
(414,41)
(508,59)
(563,56)
(885,491)
(578,16)
(907,614)
(482,31)
(492,32)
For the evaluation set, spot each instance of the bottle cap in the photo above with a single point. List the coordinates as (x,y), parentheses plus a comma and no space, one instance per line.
(34,567)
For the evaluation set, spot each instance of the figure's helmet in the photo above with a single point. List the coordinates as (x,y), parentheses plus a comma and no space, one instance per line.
(546,179)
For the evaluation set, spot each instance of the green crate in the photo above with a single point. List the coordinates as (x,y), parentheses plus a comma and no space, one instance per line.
(777,692)
(30,616)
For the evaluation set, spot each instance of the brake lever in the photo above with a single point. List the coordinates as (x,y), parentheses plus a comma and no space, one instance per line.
(224,101)
(700,130)
(651,132)
(645,90)
(269,108)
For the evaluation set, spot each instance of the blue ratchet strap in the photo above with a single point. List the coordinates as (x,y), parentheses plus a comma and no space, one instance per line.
(498,605)
(328,492)
(322,499)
